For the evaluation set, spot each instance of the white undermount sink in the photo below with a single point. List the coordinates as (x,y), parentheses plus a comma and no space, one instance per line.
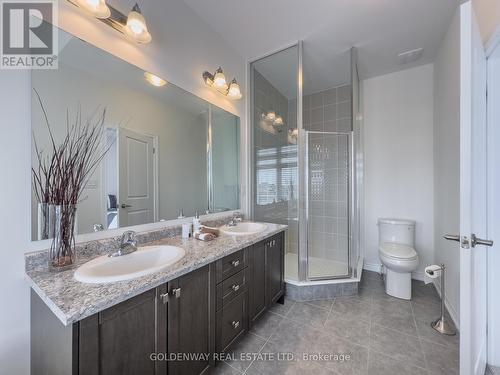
(244,228)
(145,261)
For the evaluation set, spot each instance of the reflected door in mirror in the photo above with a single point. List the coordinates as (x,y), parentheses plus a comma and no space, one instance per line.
(137,178)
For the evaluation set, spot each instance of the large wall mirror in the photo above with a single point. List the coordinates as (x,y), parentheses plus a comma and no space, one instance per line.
(169,151)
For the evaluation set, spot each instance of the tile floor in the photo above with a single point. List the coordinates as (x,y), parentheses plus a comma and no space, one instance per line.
(382,335)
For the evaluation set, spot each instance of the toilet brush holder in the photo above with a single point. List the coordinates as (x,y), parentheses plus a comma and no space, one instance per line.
(442,325)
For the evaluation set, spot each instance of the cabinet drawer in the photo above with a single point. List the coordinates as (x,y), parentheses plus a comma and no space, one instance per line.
(230,265)
(231,321)
(231,287)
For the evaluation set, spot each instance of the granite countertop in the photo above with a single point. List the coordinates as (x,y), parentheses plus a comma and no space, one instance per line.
(71,300)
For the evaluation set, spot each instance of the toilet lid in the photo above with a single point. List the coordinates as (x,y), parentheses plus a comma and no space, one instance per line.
(398,251)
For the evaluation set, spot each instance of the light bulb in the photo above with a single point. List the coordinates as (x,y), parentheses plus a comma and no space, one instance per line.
(220,80)
(154,80)
(97,8)
(93,3)
(234,90)
(136,26)
(271,116)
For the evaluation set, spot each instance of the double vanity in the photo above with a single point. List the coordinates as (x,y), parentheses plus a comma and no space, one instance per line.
(174,306)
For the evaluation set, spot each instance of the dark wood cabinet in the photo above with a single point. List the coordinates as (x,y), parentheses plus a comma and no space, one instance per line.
(198,314)
(191,327)
(257,281)
(266,276)
(121,339)
(275,269)
(177,318)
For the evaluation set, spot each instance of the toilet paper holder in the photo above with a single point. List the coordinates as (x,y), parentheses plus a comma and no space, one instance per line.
(442,325)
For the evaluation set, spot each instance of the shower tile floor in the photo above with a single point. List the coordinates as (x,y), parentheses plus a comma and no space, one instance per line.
(318,267)
(381,334)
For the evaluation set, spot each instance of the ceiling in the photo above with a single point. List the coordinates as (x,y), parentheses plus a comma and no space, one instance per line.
(380,29)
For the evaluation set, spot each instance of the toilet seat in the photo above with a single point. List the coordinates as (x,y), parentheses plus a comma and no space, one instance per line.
(398,251)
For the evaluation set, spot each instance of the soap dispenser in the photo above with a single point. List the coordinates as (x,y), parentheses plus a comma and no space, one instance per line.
(196,222)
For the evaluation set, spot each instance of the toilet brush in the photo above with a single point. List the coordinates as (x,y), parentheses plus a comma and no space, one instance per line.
(442,325)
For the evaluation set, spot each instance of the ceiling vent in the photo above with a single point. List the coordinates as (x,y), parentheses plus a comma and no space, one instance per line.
(410,56)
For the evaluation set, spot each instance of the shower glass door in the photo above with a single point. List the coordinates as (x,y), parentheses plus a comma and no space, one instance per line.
(328,204)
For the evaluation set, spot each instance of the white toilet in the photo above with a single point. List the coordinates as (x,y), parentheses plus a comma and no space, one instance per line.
(398,255)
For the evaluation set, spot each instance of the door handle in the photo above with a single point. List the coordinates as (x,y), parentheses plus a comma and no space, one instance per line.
(465,242)
(126,205)
(176,292)
(173,293)
(451,237)
(479,241)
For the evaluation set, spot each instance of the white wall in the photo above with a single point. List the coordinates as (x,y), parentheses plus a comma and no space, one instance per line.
(183,46)
(398,146)
(15,225)
(447,161)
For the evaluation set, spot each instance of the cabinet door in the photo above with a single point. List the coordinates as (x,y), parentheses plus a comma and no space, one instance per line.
(121,339)
(191,328)
(275,269)
(257,280)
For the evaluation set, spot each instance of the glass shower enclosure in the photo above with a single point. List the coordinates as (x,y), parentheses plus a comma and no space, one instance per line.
(307,161)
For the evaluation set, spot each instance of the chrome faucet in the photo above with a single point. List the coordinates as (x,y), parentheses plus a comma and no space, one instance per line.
(128,244)
(234,220)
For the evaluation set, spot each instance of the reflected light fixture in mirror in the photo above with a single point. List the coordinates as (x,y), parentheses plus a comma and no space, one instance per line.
(154,80)
(136,26)
(218,81)
(97,8)
(133,25)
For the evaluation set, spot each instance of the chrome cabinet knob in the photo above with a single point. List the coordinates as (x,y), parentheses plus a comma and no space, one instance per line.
(235,324)
(235,287)
(235,263)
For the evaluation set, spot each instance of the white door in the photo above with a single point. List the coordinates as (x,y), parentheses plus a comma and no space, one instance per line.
(473,195)
(136,178)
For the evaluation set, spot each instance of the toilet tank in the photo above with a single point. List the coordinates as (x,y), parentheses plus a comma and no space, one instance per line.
(396,230)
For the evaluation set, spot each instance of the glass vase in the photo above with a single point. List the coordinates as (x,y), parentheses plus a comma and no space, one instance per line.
(62,251)
(46,215)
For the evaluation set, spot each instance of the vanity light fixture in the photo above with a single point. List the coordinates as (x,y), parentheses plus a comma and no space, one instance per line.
(293,134)
(278,121)
(234,91)
(219,82)
(133,25)
(136,26)
(97,8)
(273,119)
(154,80)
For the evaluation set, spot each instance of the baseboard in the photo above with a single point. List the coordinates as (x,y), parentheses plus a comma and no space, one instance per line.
(375,267)
(449,306)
